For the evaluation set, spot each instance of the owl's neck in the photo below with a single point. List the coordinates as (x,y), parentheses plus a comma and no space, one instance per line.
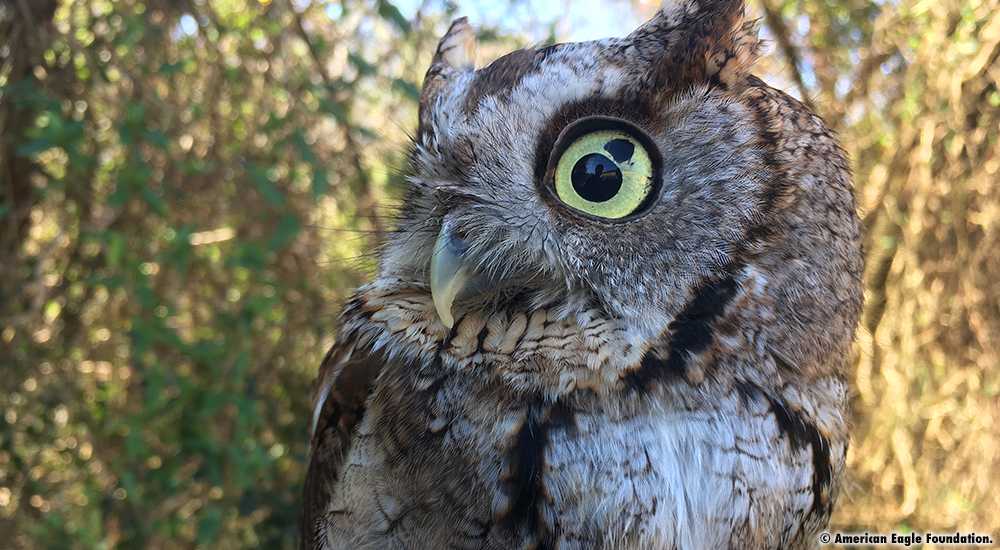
(536,349)
(587,356)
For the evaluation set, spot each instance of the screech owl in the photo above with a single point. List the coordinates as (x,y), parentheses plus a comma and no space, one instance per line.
(615,312)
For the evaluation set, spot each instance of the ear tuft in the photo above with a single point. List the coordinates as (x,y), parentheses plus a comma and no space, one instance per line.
(457,48)
(708,42)
(456,54)
(734,61)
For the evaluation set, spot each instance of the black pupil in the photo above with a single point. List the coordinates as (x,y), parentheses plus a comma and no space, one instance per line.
(597,178)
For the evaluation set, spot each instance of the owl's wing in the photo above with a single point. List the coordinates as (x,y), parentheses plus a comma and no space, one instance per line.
(338,398)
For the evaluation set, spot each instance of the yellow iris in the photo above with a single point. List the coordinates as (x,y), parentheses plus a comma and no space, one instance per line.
(605,173)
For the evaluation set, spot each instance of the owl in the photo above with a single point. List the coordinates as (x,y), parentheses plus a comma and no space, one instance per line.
(615,311)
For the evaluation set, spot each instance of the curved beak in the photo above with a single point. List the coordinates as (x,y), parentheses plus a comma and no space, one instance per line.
(451,271)
(455,274)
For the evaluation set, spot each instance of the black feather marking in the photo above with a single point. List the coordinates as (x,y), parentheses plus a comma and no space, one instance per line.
(446,343)
(801,432)
(691,332)
(481,337)
(790,424)
(528,452)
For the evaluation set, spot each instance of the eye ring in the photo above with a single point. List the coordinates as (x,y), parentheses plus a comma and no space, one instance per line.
(604,168)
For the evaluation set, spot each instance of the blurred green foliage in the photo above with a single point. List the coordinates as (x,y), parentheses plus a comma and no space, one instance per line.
(189,189)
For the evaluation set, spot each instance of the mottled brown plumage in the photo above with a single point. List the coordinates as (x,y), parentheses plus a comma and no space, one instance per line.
(615,312)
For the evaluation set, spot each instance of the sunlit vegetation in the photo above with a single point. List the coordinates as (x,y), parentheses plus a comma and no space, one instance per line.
(189,189)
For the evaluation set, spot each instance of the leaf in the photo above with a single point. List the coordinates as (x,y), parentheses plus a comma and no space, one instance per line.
(146,297)
(319,43)
(122,192)
(157,137)
(251,255)
(288,229)
(319,184)
(170,68)
(154,200)
(274,121)
(270,193)
(114,281)
(213,403)
(135,112)
(72,131)
(127,479)
(408,88)
(52,309)
(389,12)
(337,109)
(116,248)
(32,147)
(305,151)
(240,364)
(142,338)
(78,161)
(134,447)
(247,412)
(153,380)
(364,67)
(209,525)
(126,135)
(179,253)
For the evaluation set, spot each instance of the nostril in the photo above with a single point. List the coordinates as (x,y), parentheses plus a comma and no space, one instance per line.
(460,234)
(454,237)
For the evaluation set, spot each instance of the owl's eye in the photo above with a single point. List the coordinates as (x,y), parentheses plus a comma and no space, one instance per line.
(606,173)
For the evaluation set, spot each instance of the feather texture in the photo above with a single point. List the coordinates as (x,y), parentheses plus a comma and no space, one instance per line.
(668,379)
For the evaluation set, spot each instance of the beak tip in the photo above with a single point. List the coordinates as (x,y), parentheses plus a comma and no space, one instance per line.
(450,273)
(445,314)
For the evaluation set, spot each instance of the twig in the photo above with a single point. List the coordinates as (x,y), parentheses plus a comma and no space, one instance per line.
(788,49)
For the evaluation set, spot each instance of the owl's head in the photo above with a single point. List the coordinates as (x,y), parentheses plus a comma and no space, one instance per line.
(648,176)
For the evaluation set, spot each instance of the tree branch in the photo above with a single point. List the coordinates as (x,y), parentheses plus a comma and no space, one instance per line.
(791,52)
